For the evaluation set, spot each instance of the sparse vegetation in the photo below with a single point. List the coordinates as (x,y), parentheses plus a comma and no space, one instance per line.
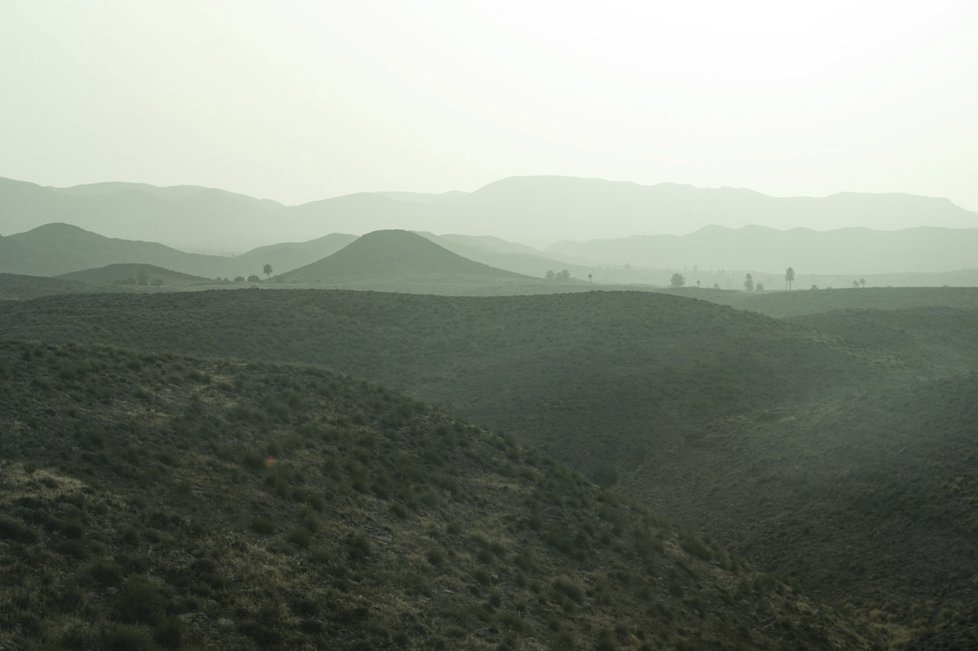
(189,548)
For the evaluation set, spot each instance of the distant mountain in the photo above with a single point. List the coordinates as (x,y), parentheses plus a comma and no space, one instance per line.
(59,249)
(56,249)
(135,274)
(756,248)
(534,207)
(394,258)
(186,216)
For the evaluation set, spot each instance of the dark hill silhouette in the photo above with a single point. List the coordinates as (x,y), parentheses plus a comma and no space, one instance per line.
(159,500)
(399,258)
(136,274)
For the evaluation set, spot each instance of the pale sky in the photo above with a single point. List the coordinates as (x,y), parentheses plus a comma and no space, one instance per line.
(298,101)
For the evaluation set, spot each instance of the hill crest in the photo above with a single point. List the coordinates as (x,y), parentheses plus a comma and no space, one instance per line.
(397,255)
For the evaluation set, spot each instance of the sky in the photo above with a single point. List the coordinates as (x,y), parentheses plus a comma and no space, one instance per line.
(297,101)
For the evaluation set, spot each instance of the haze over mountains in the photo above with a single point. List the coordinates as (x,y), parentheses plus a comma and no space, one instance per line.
(521,208)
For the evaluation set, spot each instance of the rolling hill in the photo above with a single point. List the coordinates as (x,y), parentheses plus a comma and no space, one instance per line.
(286,256)
(20,287)
(871,499)
(804,302)
(696,407)
(136,274)
(556,370)
(154,501)
(56,249)
(391,260)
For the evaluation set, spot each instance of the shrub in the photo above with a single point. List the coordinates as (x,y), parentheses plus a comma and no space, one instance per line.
(15,530)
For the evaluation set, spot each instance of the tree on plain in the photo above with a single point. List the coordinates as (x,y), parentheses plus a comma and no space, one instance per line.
(749,283)
(677,280)
(267,270)
(789,277)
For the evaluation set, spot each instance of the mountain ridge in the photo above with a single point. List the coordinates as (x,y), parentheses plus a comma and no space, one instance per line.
(529,207)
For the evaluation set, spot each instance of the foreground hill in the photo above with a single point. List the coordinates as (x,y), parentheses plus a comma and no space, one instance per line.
(155,500)
(633,385)
(136,274)
(600,379)
(870,499)
(19,287)
(804,302)
(534,207)
(394,260)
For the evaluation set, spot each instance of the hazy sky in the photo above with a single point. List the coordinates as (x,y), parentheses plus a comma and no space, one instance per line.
(304,100)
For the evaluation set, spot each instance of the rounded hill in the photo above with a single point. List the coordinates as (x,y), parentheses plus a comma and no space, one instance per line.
(397,256)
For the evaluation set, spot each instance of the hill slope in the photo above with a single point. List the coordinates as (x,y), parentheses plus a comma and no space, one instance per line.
(56,249)
(136,274)
(600,379)
(871,499)
(389,259)
(153,500)
(811,302)
(19,287)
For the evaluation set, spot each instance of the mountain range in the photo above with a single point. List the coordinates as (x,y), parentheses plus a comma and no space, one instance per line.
(522,208)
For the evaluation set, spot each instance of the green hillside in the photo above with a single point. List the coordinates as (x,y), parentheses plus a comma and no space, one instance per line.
(693,405)
(872,500)
(136,274)
(153,501)
(600,379)
(20,287)
(802,302)
(392,259)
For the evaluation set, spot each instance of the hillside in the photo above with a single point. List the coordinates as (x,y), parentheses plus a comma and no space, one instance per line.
(555,370)
(56,249)
(514,257)
(872,498)
(163,501)
(20,287)
(534,207)
(805,302)
(854,251)
(643,387)
(136,274)
(394,259)
(286,256)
